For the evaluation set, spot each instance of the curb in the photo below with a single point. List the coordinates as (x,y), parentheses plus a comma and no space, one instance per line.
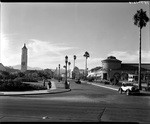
(116,89)
(34,92)
(103,86)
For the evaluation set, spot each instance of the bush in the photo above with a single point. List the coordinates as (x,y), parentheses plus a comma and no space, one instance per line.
(37,87)
(23,79)
(11,85)
(105,81)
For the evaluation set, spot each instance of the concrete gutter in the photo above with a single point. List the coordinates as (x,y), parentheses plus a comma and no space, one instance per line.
(100,85)
(108,87)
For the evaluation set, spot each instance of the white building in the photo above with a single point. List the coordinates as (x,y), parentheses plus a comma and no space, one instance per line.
(112,67)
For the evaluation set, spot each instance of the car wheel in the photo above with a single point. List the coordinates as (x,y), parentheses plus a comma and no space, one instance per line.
(128,92)
(120,90)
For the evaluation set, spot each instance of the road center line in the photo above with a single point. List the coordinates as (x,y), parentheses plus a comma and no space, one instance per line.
(104,86)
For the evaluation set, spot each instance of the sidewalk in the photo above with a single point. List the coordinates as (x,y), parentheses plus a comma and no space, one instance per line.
(58,89)
(112,87)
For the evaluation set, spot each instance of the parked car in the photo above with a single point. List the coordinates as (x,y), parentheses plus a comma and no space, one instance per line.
(90,79)
(78,81)
(128,88)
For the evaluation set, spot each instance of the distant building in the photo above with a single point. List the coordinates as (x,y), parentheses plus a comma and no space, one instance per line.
(78,73)
(24,58)
(95,72)
(112,67)
(2,68)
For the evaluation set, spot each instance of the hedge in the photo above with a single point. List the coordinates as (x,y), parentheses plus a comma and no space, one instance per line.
(11,85)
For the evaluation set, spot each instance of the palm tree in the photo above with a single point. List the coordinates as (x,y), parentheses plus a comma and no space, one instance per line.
(69,63)
(75,57)
(140,20)
(86,55)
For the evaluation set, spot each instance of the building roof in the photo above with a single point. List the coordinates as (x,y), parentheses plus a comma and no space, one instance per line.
(134,66)
(111,59)
(96,69)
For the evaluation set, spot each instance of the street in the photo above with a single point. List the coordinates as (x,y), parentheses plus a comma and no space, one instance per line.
(84,103)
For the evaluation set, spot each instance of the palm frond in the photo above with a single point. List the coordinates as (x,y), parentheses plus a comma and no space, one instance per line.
(74,57)
(140,18)
(86,54)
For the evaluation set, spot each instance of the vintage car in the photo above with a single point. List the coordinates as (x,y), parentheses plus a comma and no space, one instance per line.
(77,81)
(128,88)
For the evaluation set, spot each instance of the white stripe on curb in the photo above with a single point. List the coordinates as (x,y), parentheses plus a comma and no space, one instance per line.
(104,86)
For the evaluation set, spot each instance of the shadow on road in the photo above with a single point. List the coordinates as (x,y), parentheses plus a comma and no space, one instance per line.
(103,122)
(142,94)
(76,89)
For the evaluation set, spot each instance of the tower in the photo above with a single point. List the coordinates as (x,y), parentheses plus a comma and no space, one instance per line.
(24,59)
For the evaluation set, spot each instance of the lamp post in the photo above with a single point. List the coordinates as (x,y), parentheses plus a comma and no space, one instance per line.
(69,63)
(66,61)
(59,72)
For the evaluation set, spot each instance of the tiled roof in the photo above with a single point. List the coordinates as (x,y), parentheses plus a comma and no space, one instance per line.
(111,59)
(134,66)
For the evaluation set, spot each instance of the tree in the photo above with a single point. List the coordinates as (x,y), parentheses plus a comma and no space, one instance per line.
(74,57)
(140,20)
(21,74)
(5,75)
(86,55)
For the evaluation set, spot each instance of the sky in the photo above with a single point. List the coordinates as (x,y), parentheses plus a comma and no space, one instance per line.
(53,30)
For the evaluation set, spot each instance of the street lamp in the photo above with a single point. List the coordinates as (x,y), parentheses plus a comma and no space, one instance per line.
(69,63)
(66,61)
(59,72)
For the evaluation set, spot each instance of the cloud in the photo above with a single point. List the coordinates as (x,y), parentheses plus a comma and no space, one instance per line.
(40,53)
(4,42)
(9,55)
(125,56)
(94,62)
(47,53)
(38,47)
(4,48)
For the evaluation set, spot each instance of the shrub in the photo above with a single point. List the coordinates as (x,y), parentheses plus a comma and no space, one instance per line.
(90,79)
(11,85)
(38,87)
(105,81)
(24,79)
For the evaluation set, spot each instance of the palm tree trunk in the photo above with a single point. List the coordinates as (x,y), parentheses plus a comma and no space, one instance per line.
(86,67)
(74,62)
(139,75)
(66,83)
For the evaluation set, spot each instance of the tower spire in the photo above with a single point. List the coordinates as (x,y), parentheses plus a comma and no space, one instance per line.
(24,58)
(24,46)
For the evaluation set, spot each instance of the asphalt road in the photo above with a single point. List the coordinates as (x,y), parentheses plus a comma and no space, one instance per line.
(84,103)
